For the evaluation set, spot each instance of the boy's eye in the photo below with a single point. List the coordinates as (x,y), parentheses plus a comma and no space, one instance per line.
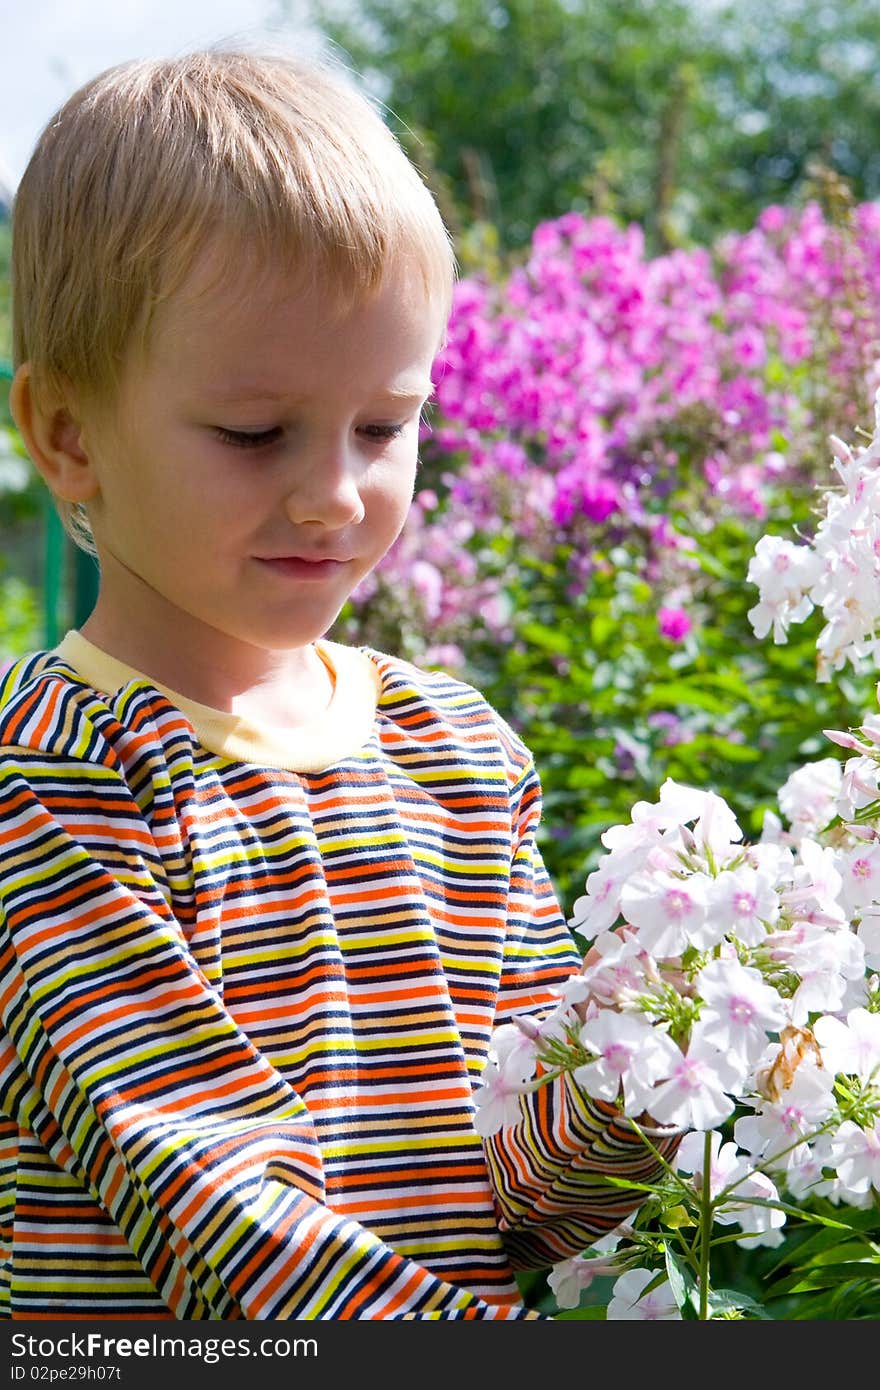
(382,431)
(248,439)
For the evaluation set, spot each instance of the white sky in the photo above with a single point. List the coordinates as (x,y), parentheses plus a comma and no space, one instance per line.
(49,47)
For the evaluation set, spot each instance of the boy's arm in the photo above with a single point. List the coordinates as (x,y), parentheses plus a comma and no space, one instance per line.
(547,1169)
(121,1059)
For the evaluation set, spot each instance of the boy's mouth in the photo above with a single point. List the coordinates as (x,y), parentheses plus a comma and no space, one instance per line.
(300,567)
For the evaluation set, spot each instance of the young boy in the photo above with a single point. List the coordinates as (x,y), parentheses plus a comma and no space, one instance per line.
(263,897)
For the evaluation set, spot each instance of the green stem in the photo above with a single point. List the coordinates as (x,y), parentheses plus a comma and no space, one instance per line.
(705,1226)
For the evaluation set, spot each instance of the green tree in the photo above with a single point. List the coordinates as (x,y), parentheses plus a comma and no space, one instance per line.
(524,109)
(682,116)
(790,85)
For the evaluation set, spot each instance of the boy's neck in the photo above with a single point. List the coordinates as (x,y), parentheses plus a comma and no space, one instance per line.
(282,689)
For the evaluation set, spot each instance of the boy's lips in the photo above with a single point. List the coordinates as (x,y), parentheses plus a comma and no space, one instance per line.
(303,566)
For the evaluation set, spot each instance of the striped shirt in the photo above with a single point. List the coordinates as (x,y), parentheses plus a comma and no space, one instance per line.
(248,981)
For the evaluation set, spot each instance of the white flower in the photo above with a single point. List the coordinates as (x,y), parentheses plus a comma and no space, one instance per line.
(742,903)
(831,966)
(511,1065)
(695,1096)
(739,1008)
(629,1300)
(783,573)
(631,1053)
(497,1100)
(805,1170)
(808,798)
(677,805)
(859,787)
(869,935)
(514,1050)
(569,1278)
(775,1132)
(856,1156)
(669,912)
(618,971)
(717,828)
(817,885)
(852,1047)
(761,1225)
(782,570)
(599,908)
(860,874)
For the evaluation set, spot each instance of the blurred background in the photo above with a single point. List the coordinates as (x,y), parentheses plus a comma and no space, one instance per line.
(666,221)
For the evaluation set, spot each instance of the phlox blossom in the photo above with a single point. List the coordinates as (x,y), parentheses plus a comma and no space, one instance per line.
(860,874)
(784,573)
(619,969)
(695,1095)
(677,805)
(716,828)
(852,1047)
(498,1101)
(831,965)
(569,1278)
(815,894)
(856,1156)
(743,902)
(673,623)
(510,1067)
(777,1132)
(513,1048)
(808,797)
(760,1221)
(599,908)
(669,911)
(629,1300)
(631,1053)
(738,1009)
(859,787)
(869,935)
(806,1168)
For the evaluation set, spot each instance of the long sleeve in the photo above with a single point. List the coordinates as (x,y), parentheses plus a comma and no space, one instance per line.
(123,1064)
(547,1170)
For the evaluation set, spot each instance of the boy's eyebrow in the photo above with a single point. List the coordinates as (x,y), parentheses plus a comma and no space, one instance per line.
(241,391)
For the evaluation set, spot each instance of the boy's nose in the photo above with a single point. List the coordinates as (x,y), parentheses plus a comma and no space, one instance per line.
(327,492)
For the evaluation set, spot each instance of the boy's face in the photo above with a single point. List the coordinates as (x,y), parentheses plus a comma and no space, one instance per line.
(259,458)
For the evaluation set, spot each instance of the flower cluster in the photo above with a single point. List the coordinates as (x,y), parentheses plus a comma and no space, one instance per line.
(731,991)
(724,977)
(587,391)
(837,571)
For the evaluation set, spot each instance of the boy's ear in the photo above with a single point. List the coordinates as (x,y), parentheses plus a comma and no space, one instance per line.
(53,437)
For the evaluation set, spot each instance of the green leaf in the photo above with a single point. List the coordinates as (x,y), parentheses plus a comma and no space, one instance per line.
(730,1301)
(547,639)
(683,1284)
(665,695)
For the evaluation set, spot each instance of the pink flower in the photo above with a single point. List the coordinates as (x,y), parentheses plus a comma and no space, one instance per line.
(674,623)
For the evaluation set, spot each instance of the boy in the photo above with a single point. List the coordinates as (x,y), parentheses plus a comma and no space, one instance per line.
(263,897)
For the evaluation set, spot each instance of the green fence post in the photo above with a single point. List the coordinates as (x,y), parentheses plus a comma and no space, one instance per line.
(54,541)
(85,585)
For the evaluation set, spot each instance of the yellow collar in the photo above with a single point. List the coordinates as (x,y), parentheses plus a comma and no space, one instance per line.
(337,732)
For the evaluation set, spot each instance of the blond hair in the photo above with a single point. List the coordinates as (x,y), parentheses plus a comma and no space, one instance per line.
(153,161)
